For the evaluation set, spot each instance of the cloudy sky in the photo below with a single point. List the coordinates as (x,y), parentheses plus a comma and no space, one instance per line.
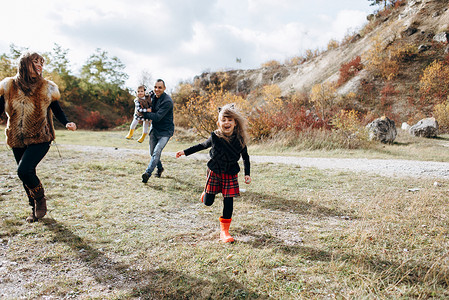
(178,39)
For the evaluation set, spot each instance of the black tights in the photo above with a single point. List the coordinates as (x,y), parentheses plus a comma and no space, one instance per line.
(27,160)
(228,204)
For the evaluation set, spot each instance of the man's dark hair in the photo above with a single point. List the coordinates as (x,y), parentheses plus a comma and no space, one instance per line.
(160,80)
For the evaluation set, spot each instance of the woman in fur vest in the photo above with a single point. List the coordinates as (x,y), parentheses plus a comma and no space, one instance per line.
(29,100)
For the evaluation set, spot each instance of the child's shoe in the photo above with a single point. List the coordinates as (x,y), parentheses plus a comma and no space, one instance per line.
(130,134)
(225,237)
(142,138)
(145,177)
(159,172)
(202,196)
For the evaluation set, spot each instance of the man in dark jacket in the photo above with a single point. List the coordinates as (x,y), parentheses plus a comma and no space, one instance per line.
(161,130)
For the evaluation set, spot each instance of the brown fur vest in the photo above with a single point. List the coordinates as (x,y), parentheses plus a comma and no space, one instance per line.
(30,120)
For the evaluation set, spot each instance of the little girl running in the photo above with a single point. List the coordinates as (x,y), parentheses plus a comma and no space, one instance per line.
(142,102)
(228,144)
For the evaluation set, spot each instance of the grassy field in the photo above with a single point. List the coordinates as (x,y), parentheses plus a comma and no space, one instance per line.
(300,233)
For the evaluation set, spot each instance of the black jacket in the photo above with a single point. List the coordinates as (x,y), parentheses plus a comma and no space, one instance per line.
(224,155)
(162,116)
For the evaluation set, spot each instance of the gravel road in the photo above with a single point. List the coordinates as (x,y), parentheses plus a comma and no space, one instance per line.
(385,167)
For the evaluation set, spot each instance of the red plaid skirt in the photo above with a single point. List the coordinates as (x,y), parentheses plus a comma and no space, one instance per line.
(226,184)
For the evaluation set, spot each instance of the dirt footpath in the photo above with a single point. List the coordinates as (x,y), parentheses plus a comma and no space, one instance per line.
(384,167)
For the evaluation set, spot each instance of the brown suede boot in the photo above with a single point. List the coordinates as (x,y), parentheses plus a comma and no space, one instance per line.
(31,218)
(40,202)
(225,237)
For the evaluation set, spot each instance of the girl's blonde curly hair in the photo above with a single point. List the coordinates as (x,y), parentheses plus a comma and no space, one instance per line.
(230,111)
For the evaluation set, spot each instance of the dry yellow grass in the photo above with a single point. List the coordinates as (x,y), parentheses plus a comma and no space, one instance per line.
(301,233)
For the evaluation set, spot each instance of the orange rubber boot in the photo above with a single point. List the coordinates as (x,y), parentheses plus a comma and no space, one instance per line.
(225,237)
(202,196)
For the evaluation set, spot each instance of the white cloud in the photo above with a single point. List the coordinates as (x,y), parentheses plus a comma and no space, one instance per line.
(178,39)
(347,21)
(200,42)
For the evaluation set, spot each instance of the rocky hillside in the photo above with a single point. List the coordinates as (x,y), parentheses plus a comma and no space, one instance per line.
(420,25)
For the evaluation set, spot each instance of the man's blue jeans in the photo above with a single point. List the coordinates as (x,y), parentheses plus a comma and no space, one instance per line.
(156,147)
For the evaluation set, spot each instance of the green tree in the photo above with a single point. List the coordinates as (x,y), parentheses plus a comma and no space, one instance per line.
(57,61)
(101,69)
(8,62)
(57,68)
(101,83)
(94,100)
(7,67)
(15,51)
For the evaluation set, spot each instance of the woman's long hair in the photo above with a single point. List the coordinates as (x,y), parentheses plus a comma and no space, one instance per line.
(25,80)
(230,111)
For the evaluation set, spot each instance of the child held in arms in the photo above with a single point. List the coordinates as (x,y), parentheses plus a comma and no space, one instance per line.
(142,103)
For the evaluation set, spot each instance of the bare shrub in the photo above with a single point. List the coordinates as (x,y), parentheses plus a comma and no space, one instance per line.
(333,44)
(309,54)
(349,124)
(181,96)
(95,120)
(201,110)
(323,96)
(384,60)
(271,64)
(315,139)
(387,92)
(349,70)
(260,119)
(278,114)
(434,82)
(441,114)
(294,61)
